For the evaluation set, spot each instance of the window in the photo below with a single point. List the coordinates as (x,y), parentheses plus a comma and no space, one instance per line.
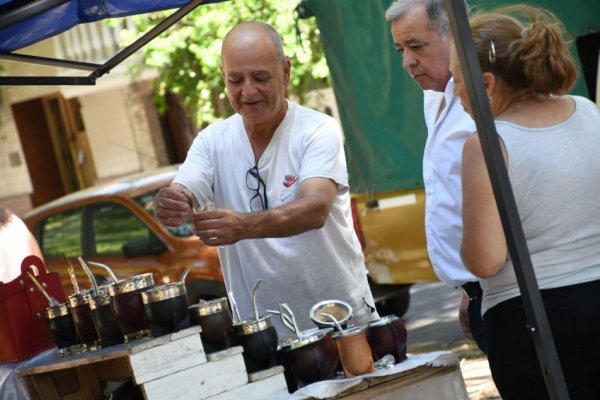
(61,233)
(113,226)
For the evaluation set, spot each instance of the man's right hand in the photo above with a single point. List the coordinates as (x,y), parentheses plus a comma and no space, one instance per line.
(172,206)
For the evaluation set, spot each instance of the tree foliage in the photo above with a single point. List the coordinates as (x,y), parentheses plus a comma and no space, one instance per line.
(187,56)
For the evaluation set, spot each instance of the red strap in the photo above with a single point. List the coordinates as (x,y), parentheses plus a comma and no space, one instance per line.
(35,261)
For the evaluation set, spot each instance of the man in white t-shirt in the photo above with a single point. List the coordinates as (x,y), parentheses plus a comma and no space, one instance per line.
(421,33)
(276,172)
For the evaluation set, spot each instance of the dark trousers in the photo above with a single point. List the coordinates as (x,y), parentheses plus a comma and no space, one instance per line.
(574,318)
(476,324)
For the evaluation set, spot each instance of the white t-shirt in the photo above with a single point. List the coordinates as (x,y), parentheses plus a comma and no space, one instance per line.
(443,188)
(300,270)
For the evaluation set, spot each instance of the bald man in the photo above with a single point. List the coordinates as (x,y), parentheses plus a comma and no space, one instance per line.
(276,173)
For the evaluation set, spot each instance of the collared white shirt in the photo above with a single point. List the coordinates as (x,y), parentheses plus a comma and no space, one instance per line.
(443,189)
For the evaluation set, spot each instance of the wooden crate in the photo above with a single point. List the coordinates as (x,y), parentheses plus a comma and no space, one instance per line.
(268,384)
(201,381)
(81,376)
(169,367)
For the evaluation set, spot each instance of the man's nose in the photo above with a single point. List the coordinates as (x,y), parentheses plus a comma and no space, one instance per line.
(408,60)
(248,89)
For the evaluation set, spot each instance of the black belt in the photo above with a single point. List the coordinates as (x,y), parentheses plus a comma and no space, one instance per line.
(473,290)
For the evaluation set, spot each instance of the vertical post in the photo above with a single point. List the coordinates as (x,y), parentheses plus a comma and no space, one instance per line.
(513,230)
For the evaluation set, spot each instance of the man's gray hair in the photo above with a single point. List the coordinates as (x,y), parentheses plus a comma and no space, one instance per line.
(436,11)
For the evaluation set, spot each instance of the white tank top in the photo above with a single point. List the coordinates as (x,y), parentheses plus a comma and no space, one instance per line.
(554,173)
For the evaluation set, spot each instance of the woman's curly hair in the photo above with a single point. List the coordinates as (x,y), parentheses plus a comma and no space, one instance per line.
(531,53)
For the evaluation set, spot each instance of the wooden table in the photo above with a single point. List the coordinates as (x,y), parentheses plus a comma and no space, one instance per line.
(176,367)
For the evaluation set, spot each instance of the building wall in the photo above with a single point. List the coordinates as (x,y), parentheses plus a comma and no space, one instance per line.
(123,131)
(147,130)
(14,175)
(122,125)
(109,131)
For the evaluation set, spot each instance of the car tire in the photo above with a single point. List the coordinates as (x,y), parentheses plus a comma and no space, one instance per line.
(397,305)
(206,290)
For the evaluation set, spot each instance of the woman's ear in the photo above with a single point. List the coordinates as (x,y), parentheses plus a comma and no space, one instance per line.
(489,81)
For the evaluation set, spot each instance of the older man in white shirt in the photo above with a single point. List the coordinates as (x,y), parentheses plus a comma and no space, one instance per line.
(421,33)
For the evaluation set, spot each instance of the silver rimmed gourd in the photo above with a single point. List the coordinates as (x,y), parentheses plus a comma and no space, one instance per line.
(216,321)
(166,308)
(127,305)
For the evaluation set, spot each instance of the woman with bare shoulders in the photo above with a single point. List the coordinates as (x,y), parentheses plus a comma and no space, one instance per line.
(550,143)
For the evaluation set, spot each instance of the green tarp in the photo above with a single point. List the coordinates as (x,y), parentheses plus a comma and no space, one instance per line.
(381,108)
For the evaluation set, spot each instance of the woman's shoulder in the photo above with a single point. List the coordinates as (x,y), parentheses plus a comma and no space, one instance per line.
(585,103)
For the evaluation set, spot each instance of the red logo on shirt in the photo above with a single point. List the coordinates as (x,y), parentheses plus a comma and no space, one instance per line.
(289,180)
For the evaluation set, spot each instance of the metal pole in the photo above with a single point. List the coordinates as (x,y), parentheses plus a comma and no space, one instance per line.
(47,80)
(52,62)
(27,9)
(97,70)
(147,37)
(513,230)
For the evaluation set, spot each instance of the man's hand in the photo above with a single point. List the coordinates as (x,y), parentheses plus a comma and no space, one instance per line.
(219,227)
(172,206)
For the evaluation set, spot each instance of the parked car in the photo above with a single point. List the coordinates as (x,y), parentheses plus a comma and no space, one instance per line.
(390,227)
(113,224)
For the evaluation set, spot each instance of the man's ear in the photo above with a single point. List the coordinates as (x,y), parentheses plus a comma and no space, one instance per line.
(287,66)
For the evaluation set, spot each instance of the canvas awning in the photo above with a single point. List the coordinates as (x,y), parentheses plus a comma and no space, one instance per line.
(25,22)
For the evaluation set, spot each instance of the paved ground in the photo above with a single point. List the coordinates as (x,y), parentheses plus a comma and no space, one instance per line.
(480,385)
(474,367)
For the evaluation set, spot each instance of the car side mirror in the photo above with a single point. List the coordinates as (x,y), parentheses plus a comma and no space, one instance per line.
(142,246)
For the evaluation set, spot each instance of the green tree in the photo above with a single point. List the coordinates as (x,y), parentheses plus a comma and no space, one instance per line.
(187,56)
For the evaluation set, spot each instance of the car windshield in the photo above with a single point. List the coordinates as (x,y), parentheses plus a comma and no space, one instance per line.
(145,201)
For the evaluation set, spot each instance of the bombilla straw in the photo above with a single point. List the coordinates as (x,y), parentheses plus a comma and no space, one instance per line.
(52,301)
(113,277)
(334,320)
(90,275)
(71,271)
(184,274)
(254,304)
(234,306)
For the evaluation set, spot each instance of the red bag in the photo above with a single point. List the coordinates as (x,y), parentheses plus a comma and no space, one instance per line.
(23,330)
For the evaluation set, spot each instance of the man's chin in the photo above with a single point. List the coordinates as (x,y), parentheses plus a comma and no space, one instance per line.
(430,86)
(254,118)
(252,111)
(422,81)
